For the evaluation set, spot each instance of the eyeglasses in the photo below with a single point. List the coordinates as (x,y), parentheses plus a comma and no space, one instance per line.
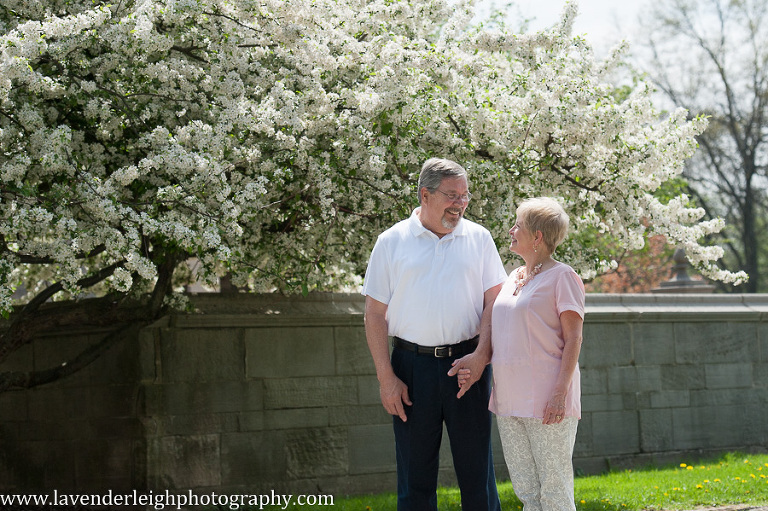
(464,197)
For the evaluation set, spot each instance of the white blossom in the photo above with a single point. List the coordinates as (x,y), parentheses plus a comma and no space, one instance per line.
(274,140)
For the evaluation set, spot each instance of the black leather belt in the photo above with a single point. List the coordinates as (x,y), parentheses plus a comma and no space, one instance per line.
(448,350)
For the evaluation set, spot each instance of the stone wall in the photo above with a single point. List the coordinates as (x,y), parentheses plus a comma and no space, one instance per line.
(255,393)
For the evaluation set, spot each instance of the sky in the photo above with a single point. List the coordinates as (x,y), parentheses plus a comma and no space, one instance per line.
(604,23)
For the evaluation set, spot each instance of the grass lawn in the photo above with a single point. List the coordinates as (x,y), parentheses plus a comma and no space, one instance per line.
(732,479)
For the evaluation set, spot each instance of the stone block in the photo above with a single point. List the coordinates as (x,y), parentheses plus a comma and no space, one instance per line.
(317,452)
(368,390)
(634,379)
(715,342)
(594,381)
(119,365)
(14,405)
(148,355)
(584,436)
(23,463)
(204,397)
(296,418)
(713,427)
(648,378)
(615,433)
(602,402)
(726,397)
(22,360)
(656,431)
(58,403)
(606,345)
(103,464)
(289,352)
(682,377)
(176,462)
(310,392)
(728,376)
(654,343)
(371,449)
(760,374)
(55,430)
(251,458)
(763,332)
(359,415)
(117,428)
(63,464)
(631,400)
(202,355)
(195,424)
(251,421)
(352,354)
(670,399)
(113,400)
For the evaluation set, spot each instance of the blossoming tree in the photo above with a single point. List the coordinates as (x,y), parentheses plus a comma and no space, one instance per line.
(273,140)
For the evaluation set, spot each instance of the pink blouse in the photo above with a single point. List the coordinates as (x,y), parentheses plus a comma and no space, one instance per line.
(528,342)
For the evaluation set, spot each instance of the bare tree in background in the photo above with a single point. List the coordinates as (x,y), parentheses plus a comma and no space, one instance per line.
(711,57)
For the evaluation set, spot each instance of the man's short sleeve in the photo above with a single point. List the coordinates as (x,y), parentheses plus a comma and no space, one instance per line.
(377,283)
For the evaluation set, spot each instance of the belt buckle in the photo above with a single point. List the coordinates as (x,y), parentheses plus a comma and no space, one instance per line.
(446,351)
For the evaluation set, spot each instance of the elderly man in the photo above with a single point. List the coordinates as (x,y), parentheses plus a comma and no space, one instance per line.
(429,280)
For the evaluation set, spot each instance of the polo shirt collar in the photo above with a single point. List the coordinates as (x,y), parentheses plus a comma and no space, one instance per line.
(417,228)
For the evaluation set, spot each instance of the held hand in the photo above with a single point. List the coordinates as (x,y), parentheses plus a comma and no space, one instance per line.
(554,412)
(468,369)
(394,396)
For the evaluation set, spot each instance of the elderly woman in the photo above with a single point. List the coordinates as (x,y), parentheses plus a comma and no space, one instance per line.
(536,329)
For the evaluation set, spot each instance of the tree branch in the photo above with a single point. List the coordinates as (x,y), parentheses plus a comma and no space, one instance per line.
(30,379)
(19,333)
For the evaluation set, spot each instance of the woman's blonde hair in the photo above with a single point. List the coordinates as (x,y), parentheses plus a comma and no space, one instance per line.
(546,215)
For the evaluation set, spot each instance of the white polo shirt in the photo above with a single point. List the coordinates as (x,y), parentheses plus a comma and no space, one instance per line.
(433,287)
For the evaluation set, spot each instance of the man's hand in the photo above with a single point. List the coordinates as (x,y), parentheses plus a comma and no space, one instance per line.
(469,369)
(394,396)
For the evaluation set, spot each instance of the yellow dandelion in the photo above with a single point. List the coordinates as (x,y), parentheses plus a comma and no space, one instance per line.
(717,480)
(752,476)
(683,465)
(699,486)
(583,501)
(706,480)
(689,468)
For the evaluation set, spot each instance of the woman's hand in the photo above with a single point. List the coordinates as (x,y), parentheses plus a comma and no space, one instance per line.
(554,412)
(468,370)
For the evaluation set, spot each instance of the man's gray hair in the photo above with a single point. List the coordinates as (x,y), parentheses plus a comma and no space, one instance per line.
(435,170)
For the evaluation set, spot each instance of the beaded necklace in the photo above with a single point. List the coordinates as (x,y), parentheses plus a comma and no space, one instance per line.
(536,270)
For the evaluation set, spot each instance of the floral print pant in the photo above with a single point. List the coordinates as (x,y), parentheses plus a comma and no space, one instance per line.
(539,459)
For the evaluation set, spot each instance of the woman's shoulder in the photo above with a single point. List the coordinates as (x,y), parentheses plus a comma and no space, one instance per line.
(561,267)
